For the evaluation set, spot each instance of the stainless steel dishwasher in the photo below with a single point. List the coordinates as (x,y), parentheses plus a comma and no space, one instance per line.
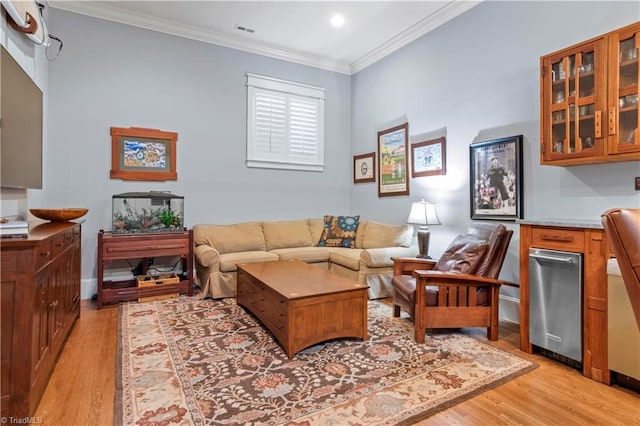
(555,301)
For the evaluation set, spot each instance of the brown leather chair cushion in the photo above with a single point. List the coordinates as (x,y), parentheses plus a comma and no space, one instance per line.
(463,255)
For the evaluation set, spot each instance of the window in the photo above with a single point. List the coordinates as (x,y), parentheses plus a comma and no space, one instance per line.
(285,124)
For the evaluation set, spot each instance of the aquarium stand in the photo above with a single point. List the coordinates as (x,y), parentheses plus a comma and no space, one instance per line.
(143,246)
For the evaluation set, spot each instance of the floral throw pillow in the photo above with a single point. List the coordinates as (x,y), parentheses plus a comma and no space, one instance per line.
(339,231)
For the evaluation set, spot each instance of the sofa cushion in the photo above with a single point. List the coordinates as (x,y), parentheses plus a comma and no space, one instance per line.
(231,238)
(285,234)
(315,226)
(463,255)
(362,229)
(339,231)
(349,258)
(307,254)
(379,235)
(229,261)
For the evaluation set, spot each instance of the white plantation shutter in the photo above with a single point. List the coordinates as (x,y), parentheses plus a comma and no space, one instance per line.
(285,124)
(270,130)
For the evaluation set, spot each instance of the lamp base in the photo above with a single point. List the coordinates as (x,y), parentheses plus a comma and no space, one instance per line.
(423,242)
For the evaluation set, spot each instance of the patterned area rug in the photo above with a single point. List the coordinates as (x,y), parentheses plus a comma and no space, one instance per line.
(194,361)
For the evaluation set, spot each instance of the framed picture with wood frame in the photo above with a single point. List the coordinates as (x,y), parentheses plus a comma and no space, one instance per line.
(496,179)
(428,158)
(364,168)
(393,174)
(143,154)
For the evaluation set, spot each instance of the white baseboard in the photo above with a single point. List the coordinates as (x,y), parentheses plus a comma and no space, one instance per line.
(510,308)
(88,287)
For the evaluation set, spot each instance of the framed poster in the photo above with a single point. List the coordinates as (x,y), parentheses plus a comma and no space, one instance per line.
(393,176)
(428,158)
(364,168)
(496,179)
(143,154)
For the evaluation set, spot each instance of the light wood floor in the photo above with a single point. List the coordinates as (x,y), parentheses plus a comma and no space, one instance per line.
(81,389)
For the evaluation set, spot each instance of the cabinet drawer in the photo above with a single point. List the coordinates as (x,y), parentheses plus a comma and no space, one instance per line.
(43,254)
(58,243)
(125,249)
(273,308)
(71,237)
(560,239)
(8,261)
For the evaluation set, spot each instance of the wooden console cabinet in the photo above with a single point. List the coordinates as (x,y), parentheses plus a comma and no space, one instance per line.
(592,243)
(40,295)
(143,246)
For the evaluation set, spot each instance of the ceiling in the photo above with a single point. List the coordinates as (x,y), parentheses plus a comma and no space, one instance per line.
(296,31)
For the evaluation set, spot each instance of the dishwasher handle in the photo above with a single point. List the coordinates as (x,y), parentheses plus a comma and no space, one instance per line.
(553,258)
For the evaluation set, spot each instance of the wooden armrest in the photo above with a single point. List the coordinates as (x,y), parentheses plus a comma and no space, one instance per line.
(446,278)
(406,265)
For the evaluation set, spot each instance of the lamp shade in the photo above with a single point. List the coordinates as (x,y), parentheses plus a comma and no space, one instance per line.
(423,213)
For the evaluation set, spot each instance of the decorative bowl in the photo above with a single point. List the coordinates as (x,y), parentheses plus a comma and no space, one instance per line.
(59,215)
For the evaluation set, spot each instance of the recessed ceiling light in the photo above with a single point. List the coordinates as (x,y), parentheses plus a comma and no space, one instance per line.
(337,20)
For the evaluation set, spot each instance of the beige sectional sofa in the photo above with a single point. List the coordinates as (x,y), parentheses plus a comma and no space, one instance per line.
(219,248)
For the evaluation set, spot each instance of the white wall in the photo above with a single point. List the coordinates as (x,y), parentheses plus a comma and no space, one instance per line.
(476,78)
(116,75)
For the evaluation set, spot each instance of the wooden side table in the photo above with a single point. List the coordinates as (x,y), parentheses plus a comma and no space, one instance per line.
(143,246)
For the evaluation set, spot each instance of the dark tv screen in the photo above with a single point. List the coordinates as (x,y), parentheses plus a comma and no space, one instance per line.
(20,127)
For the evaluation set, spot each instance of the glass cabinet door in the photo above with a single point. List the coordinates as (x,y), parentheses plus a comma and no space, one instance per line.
(572,102)
(624,115)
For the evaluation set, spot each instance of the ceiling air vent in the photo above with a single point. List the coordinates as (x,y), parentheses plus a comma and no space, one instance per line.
(244,29)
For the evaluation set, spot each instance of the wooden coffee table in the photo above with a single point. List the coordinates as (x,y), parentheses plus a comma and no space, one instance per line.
(302,304)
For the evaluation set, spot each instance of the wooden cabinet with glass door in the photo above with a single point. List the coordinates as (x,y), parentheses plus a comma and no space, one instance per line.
(624,114)
(589,101)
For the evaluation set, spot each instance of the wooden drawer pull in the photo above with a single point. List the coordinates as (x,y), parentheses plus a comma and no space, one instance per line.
(563,239)
(45,253)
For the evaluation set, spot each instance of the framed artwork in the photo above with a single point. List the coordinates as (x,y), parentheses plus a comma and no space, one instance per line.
(143,154)
(428,158)
(393,146)
(364,168)
(496,179)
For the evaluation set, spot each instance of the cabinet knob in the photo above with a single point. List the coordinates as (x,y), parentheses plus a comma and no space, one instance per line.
(45,253)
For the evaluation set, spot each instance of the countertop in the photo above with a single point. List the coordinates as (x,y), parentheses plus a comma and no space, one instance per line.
(563,223)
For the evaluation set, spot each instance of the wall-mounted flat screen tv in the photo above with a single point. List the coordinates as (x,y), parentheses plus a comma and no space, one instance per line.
(20,127)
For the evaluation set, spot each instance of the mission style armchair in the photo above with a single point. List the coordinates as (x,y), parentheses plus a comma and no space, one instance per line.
(460,289)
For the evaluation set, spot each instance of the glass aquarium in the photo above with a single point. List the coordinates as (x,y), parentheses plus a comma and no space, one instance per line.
(147,212)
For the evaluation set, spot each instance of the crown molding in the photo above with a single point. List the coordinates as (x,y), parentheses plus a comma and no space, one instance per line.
(109,13)
(140,20)
(430,23)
